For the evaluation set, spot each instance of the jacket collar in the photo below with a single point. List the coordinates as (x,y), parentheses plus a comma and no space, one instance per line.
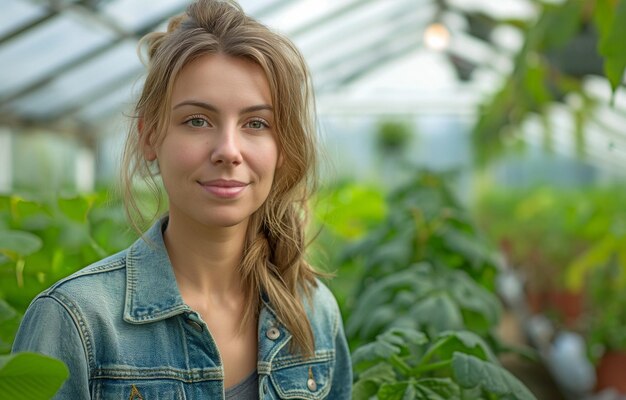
(151,290)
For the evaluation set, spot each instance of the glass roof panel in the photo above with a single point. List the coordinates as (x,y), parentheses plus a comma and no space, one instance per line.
(50,45)
(389,27)
(299,13)
(119,99)
(17,13)
(134,15)
(253,7)
(501,9)
(356,21)
(73,86)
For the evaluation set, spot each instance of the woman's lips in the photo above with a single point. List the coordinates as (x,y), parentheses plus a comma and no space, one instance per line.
(222,188)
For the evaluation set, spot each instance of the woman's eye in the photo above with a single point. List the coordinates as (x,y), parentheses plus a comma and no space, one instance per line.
(197,122)
(257,124)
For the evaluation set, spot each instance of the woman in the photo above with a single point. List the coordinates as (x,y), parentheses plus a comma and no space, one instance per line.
(215,301)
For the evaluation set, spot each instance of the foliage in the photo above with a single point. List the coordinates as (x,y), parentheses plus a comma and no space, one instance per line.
(573,239)
(45,239)
(539,229)
(606,328)
(423,278)
(30,376)
(549,68)
(342,213)
(406,364)
(609,18)
(393,136)
(424,223)
(427,299)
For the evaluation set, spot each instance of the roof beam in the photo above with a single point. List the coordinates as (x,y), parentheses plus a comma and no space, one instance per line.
(54,9)
(329,17)
(103,90)
(74,63)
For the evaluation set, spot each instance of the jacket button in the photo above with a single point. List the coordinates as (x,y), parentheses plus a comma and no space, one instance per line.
(311,385)
(273,333)
(195,325)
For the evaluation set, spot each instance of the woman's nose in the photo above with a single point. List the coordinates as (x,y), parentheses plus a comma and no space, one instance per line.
(226,149)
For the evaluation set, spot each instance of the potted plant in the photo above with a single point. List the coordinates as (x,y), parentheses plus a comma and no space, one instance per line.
(406,364)
(606,333)
(601,272)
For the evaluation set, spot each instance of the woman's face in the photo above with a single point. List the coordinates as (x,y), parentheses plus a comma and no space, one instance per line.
(218,157)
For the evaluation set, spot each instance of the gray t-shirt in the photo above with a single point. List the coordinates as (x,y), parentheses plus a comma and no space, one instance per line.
(247,389)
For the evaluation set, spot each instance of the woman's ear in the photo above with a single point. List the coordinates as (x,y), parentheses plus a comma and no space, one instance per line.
(149,152)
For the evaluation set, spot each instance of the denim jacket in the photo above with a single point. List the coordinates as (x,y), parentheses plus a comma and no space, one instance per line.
(124,331)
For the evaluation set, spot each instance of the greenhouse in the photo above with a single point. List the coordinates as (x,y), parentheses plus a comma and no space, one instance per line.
(469,215)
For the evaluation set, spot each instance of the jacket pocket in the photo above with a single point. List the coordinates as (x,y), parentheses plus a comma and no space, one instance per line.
(300,378)
(127,389)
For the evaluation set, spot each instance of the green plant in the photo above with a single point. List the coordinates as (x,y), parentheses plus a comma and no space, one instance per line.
(45,239)
(426,278)
(29,376)
(454,365)
(343,212)
(550,66)
(426,298)
(606,328)
(424,222)
(393,136)
(540,230)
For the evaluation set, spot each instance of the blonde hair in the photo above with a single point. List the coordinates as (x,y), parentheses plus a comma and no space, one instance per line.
(273,260)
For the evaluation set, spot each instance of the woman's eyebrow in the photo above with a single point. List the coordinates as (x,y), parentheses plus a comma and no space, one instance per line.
(212,108)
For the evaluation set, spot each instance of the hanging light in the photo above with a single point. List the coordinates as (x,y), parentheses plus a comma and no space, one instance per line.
(437,36)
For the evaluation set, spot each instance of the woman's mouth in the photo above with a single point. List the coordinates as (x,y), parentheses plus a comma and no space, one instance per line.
(224,188)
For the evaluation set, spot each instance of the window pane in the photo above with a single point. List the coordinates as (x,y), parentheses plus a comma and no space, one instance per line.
(33,55)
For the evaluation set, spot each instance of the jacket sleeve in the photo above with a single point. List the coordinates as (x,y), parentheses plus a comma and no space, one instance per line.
(50,328)
(341,387)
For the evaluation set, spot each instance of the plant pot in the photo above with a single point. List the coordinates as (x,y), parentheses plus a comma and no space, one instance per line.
(568,304)
(564,305)
(611,371)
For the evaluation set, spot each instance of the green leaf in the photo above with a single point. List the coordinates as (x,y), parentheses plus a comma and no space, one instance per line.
(560,23)
(437,312)
(76,208)
(29,376)
(364,390)
(379,373)
(396,391)
(466,342)
(470,371)
(19,243)
(596,256)
(612,44)
(9,323)
(439,388)
(375,351)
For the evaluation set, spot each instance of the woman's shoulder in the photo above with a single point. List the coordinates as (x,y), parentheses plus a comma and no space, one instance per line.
(93,282)
(322,309)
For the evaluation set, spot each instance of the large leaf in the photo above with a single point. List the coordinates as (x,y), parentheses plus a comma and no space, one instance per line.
(470,371)
(610,21)
(76,208)
(19,243)
(438,312)
(397,391)
(29,376)
(466,342)
(391,343)
(9,322)
(438,388)
(364,390)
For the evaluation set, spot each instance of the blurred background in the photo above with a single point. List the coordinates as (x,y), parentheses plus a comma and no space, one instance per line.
(482,137)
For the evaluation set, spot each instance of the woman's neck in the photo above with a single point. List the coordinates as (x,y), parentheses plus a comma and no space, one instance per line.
(205,259)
